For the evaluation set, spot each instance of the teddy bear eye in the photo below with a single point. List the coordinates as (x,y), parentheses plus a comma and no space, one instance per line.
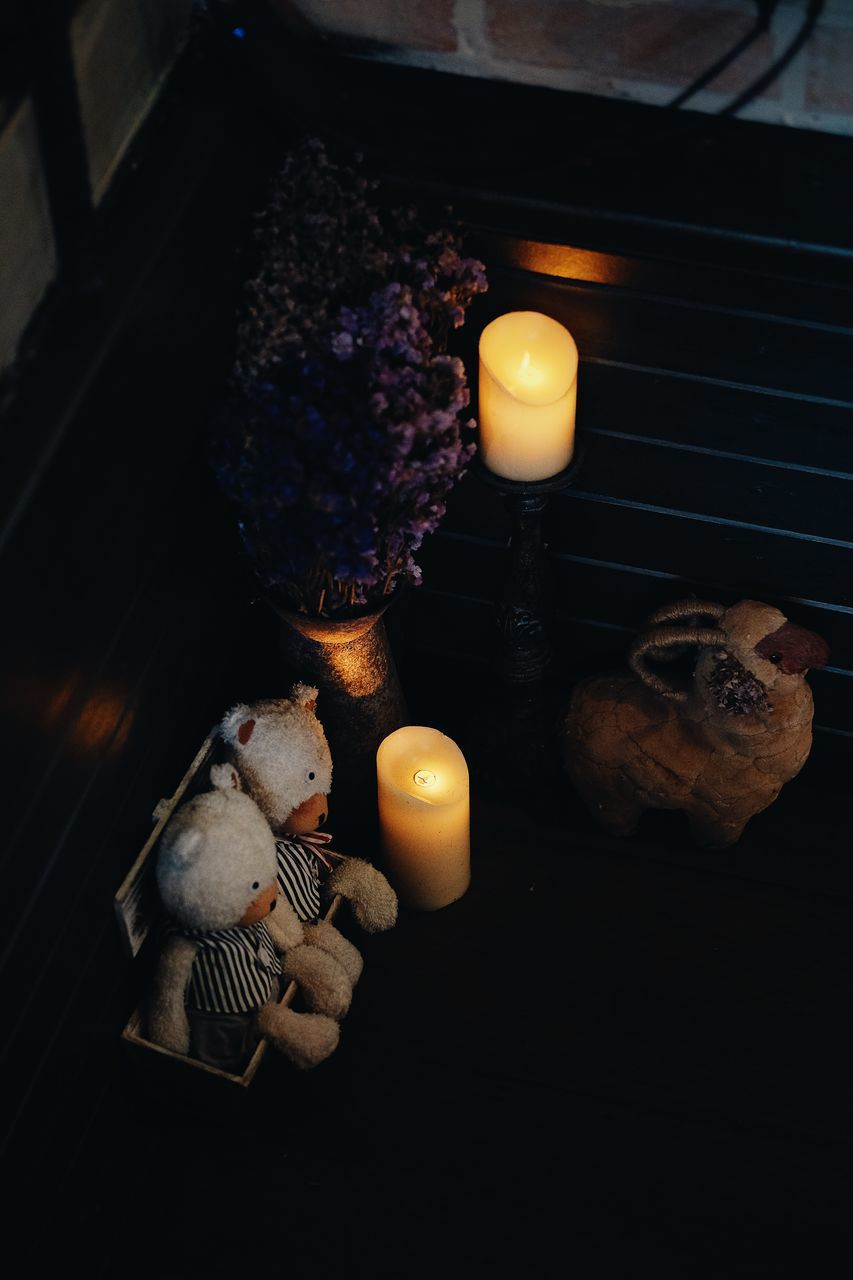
(775,657)
(311,775)
(256,885)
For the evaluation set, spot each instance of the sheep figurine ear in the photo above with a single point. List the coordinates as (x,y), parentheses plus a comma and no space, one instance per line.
(306,695)
(224,777)
(237,725)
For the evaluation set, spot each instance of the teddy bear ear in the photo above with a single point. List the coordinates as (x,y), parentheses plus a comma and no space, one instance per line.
(184,847)
(306,695)
(224,777)
(237,725)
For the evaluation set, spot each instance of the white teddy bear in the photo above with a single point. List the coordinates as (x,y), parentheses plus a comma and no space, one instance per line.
(233,943)
(280,750)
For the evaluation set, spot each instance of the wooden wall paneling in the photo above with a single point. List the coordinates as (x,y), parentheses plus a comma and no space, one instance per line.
(799,430)
(612,594)
(823,263)
(683,545)
(735,495)
(653,333)
(745,558)
(740,491)
(660,272)
(696,412)
(670,177)
(463,626)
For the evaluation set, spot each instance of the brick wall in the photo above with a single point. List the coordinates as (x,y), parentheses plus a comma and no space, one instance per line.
(645,50)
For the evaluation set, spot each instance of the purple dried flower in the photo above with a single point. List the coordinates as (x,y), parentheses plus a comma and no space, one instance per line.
(342,438)
(735,689)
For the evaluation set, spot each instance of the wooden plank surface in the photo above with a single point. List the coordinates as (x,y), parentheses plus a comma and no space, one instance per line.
(629,1057)
(730,345)
(629,1054)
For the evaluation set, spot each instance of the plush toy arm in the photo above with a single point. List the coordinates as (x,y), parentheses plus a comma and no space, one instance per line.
(325,936)
(284,926)
(167,1015)
(305,1038)
(373,901)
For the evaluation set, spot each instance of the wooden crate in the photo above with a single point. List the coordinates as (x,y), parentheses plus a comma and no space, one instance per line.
(136,906)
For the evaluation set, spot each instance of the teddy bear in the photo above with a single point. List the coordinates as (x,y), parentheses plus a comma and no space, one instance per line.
(232,942)
(280,751)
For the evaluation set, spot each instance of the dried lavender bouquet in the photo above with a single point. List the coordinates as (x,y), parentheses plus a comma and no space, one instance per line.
(342,433)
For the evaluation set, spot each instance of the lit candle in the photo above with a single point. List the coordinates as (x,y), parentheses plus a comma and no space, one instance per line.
(528,394)
(424,816)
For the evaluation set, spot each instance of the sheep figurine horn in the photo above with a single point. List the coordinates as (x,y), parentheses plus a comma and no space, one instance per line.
(688,612)
(661,643)
(719,748)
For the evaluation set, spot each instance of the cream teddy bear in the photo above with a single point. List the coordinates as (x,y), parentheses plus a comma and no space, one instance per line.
(280,751)
(233,943)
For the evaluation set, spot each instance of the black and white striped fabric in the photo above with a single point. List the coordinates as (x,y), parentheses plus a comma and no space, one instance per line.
(235,970)
(299,877)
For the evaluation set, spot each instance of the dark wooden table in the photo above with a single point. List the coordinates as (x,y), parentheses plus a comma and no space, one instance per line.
(614,1058)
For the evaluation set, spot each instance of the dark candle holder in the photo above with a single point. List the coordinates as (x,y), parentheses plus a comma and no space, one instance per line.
(524,603)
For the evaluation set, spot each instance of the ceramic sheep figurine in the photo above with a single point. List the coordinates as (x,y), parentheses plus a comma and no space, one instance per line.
(719,747)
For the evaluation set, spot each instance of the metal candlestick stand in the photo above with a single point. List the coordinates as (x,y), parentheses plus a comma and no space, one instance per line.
(523,606)
(516,736)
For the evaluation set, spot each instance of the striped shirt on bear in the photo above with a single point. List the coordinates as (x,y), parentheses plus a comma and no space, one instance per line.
(299,878)
(235,971)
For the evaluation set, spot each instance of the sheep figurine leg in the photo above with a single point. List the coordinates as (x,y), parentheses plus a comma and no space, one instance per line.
(711,833)
(616,812)
(307,1039)
(616,745)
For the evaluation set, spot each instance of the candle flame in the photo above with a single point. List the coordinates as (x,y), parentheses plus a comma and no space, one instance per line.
(528,375)
(425,778)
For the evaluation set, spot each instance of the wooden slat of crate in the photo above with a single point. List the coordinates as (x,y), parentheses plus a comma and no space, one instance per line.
(130,900)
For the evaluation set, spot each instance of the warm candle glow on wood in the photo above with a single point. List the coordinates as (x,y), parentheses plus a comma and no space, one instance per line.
(424,816)
(528,394)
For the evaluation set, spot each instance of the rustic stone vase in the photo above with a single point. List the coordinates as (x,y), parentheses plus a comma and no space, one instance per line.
(360,702)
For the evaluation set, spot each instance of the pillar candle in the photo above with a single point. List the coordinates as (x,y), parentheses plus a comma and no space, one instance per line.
(527,396)
(424,819)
